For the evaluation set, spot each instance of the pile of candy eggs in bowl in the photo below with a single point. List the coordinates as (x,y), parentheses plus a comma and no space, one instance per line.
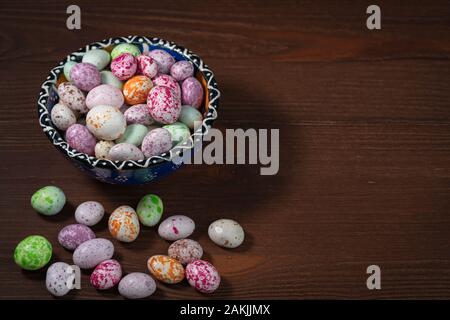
(123,108)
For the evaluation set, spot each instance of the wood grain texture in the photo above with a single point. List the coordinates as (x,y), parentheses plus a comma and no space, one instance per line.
(364,121)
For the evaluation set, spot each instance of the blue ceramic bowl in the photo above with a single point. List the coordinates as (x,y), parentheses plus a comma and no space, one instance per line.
(128,172)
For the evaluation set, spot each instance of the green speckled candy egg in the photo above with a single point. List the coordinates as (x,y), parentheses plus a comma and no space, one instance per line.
(150,210)
(125,48)
(107,77)
(179,132)
(191,117)
(33,252)
(98,57)
(134,134)
(49,200)
(67,67)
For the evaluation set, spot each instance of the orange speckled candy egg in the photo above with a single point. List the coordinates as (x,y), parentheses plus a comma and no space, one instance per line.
(166,269)
(136,89)
(123,224)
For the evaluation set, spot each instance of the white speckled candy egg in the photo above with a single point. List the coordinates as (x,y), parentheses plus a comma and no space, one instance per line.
(72,97)
(167,81)
(134,134)
(178,131)
(164,105)
(191,117)
(176,227)
(185,251)
(102,149)
(125,151)
(192,92)
(62,116)
(156,142)
(98,57)
(71,236)
(81,139)
(203,276)
(57,279)
(124,66)
(166,269)
(92,252)
(137,285)
(67,67)
(85,76)
(107,77)
(106,275)
(105,94)
(106,122)
(181,70)
(163,59)
(139,114)
(89,213)
(226,233)
(123,224)
(146,66)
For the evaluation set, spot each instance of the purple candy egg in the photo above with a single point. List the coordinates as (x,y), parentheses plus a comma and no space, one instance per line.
(71,236)
(85,76)
(81,139)
(163,59)
(124,66)
(191,92)
(181,70)
(140,114)
(156,142)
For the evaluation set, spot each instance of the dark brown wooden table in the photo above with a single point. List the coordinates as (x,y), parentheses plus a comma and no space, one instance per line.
(364,119)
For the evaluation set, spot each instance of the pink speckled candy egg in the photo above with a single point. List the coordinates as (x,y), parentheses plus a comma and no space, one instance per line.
(146,66)
(181,70)
(156,142)
(85,76)
(106,122)
(176,227)
(164,105)
(185,251)
(203,276)
(81,139)
(71,236)
(105,94)
(92,252)
(163,59)
(138,114)
(125,151)
(167,81)
(124,66)
(72,97)
(192,92)
(106,275)
(89,213)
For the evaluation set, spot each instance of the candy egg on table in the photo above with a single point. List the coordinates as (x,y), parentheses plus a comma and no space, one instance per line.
(106,275)
(176,227)
(107,77)
(136,89)
(150,209)
(226,233)
(163,59)
(98,57)
(125,48)
(191,92)
(181,70)
(62,116)
(156,142)
(125,151)
(89,213)
(123,224)
(72,97)
(164,105)
(90,253)
(178,131)
(167,81)
(124,66)
(48,200)
(71,236)
(33,252)
(137,285)
(85,76)
(166,269)
(139,114)
(191,117)
(67,67)
(57,279)
(133,134)
(102,149)
(81,139)
(146,66)
(185,251)
(105,94)
(106,122)
(203,276)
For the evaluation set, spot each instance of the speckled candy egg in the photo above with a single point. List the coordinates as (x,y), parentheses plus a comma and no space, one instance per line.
(167,81)
(71,236)
(226,233)
(125,48)
(48,200)
(146,66)
(192,92)
(57,279)
(156,142)
(191,117)
(67,67)
(164,105)
(150,210)
(106,275)
(104,94)
(123,224)
(72,97)
(181,70)
(62,116)
(178,131)
(125,151)
(139,114)
(106,122)
(163,59)
(33,253)
(136,89)
(134,134)
(107,77)
(185,251)
(102,149)
(137,285)
(92,252)
(98,57)
(124,66)
(81,139)
(89,213)
(166,269)
(176,227)
(203,276)
(85,76)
